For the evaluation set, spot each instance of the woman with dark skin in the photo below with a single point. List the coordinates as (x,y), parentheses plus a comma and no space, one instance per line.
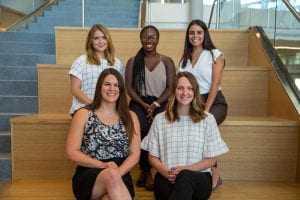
(149,76)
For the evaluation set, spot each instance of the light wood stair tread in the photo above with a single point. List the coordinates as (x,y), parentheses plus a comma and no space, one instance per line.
(43,118)
(230,120)
(259,121)
(227,68)
(61,189)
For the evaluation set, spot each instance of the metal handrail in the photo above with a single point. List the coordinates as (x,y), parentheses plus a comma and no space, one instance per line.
(279,67)
(292,9)
(20,24)
(211,13)
(142,13)
(83,13)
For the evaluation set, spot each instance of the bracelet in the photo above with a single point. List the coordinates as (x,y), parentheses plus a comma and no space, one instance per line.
(157,105)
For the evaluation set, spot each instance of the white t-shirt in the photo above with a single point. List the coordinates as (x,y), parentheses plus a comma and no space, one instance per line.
(203,69)
(184,142)
(88,75)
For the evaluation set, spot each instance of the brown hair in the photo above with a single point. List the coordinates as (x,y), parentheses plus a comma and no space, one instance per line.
(109,52)
(121,106)
(197,106)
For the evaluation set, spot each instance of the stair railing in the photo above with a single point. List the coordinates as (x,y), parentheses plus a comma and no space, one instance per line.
(211,13)
(279,67)
(292,9)
(83,13)
(218,2)
(24,21)
(142,13)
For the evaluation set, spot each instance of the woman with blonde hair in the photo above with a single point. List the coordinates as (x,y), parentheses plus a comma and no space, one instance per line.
(85,70)
(183,143)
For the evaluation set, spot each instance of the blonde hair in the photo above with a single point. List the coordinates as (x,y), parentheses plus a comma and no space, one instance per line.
(109,52)
(197,106)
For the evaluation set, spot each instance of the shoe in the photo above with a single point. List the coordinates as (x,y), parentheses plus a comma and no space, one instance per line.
(141,182)
(218,184)
(150,187)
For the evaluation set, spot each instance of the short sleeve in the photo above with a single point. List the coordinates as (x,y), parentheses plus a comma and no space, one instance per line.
(77,66)
(214,144)
(120,67)
(217,53)
(150,143)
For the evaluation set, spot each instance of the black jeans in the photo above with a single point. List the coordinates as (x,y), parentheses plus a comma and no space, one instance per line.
(189,185)
(145,125)
(218,108)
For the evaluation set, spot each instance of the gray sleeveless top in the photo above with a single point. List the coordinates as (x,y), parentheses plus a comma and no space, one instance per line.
(155,80)
(101,141)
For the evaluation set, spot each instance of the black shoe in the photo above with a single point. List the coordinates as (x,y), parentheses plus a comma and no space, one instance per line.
(142,180)
(150,187)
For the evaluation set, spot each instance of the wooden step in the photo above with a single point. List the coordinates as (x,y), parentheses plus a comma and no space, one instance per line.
(70,43)
(261,148)
(245,88)
(61,189)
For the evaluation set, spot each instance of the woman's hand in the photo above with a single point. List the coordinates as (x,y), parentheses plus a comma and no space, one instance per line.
(171,176)
(110,164)
(151,109)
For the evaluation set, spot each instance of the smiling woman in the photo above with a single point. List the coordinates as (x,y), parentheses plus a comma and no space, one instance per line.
(149,76)
(184,171)
(104,141)
(86,68)
(206,63)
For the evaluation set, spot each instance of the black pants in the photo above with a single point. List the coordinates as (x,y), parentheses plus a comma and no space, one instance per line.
(218,108)
(189,185)
(145,125)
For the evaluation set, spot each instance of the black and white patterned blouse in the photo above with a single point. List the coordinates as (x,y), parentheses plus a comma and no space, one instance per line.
(101,141)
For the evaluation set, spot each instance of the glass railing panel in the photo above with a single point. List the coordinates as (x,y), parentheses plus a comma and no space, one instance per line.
(287,40)
(176,14)
(168,13)
(13,11)
(32,13)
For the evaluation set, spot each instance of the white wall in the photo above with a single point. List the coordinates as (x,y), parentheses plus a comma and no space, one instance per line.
(168,15)
(172,15)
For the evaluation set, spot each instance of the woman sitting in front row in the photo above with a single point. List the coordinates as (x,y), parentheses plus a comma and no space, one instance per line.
(183,143)
(104,141)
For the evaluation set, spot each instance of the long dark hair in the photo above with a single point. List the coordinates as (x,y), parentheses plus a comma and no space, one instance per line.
(138,82)
(197,105)
(121,107)
(188,48)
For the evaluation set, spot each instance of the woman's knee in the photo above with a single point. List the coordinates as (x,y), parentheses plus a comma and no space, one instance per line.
(111,176)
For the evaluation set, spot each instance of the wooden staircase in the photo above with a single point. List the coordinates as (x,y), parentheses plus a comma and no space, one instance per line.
(262,129)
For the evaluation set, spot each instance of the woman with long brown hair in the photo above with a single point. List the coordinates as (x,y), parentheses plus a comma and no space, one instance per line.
(104,141)
(183,143)
(206,63)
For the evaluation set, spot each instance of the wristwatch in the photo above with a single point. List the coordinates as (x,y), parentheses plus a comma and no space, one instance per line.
(157,105)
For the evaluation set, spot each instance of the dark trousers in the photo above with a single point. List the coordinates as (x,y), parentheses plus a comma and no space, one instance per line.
(189,185)
(145,125)
(218,108)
